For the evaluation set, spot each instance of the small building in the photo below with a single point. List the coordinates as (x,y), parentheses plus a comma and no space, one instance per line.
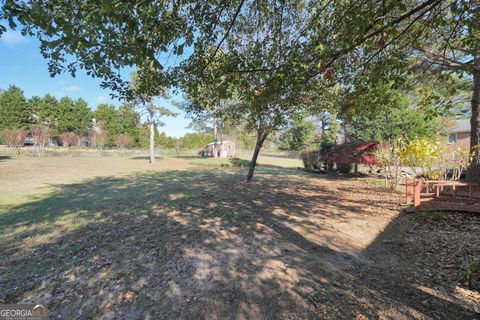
(460,134)
(225,149)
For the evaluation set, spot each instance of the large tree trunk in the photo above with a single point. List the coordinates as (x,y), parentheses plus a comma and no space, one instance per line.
(473,173)
(152,142)
(258,146)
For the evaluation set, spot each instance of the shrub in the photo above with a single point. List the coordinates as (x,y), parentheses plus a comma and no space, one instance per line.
(423,154)
(312,161)
(15,138)
(41,138)
(388,159)
(345,168)
(351,154)
(70,139)
(436,160)
(470,270)
(123,141)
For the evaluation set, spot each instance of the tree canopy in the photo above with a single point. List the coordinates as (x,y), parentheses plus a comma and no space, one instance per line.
(258,61)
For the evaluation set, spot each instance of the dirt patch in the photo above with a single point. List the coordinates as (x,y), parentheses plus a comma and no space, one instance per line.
(428,252)
(205,244)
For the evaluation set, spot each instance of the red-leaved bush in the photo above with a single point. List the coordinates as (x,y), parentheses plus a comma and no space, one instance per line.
(356,152)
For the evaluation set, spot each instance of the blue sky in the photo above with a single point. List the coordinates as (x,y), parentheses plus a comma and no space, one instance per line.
(21,64)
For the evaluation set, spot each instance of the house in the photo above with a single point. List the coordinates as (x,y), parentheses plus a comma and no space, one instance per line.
(225,149)
(460,134)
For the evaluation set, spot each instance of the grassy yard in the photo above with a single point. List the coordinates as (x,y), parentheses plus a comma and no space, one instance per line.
(116,238)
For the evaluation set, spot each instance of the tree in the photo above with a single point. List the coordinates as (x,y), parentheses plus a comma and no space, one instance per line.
(15,138)
(70,139)
(165,141)
(73,116)
(356,153)
(124,120)
(123,141)
(273,46)
(386,114)
(262,101)
(195,140)
(104,36)
(14,110)
(299,136)
(143,102)
(48,111)
(129,122)
(98,138)
(41,138)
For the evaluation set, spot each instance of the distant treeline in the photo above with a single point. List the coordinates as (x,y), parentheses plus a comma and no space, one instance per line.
(67,115)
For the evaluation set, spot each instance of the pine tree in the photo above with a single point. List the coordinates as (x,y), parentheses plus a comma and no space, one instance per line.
(14,110)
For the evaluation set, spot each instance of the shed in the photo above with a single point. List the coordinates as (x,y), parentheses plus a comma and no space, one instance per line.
(225,149)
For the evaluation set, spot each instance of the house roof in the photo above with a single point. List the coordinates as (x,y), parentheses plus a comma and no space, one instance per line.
(218,142)
(461,126)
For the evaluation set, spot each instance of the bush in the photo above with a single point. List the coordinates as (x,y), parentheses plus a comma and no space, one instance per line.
(70,139)
(345,168)
(123,141)
(388,159)
(15,138)
(312,161)
(423,154)
(471,270)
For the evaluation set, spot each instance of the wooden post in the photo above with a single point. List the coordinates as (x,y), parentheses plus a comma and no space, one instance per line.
(408,191)
(454,191)
(438,190)
(417,188)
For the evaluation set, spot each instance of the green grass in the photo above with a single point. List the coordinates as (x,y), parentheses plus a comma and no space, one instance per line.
(220,162)
(470,269)
(379,183)
(431,214)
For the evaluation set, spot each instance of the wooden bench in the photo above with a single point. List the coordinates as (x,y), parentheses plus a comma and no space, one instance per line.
(438,186)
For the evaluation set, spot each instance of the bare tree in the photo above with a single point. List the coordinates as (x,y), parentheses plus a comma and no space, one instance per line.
(123,141)
(41,138)
(98,138)
(15,138)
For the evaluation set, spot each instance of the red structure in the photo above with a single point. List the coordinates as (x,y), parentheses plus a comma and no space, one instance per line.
(427,191)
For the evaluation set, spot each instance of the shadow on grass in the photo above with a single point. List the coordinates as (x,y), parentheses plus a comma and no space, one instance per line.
(146,158)
(5,158)
(188,244)
(220,162)
(190,157)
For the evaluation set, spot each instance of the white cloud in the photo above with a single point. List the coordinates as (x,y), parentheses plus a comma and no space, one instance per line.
(72,88)
(11,38)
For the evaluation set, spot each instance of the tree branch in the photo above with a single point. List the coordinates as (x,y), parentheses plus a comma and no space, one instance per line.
(372,34)
(225,35)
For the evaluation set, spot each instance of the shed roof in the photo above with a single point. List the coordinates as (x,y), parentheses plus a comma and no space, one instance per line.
(218,142)
(462,126)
